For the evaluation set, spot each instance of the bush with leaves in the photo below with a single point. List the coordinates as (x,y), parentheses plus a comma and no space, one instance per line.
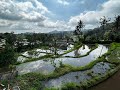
(7,56)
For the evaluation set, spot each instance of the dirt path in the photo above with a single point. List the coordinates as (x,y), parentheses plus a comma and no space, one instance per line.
(113,83)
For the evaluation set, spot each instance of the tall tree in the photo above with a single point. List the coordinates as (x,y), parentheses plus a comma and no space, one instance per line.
(78,30)
(104,21)
(10,38)
(117,22)
(79,27)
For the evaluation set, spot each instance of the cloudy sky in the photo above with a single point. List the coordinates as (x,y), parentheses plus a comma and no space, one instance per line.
(48,15)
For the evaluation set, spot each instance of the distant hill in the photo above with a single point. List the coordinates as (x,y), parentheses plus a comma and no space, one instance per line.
(63,33)
(67,32)
(55,31)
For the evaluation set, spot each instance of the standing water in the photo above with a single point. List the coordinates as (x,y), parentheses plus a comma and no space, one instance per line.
(46,67)
(78,77)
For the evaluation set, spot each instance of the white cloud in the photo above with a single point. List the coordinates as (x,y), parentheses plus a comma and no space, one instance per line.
(33,16)
(21,15)
(4,23)
(91,18)
(21,26)
(24,5)
(8,10)
(63,2)
(30,15)
(40,7)
(11,10)
(54,25)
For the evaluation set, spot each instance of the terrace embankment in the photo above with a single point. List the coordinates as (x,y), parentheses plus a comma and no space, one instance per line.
(112,83)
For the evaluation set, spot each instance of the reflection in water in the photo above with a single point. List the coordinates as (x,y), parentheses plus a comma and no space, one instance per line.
(76,53)
(36,66)
(21,59)
(84,60)
(79,76)
(81,51)
(46,66)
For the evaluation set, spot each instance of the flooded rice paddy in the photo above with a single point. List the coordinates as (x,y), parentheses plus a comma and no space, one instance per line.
(47,66)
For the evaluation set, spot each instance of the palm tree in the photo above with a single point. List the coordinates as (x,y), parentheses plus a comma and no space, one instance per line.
(78,30)
(104,21)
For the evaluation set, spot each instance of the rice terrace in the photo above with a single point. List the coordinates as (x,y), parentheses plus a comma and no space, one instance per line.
(59,45)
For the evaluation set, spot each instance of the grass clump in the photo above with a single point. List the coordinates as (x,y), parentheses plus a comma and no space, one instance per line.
(31,81)
(70,86)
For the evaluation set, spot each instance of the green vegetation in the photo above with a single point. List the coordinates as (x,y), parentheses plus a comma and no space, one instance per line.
(108,32)
(48,55)
(91,49)
(31,81)
(86,84)
(7,56)
(37,77)
(33,77)
(114,57)
(77,46)
(78,32)
(71,86)
(16,43)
